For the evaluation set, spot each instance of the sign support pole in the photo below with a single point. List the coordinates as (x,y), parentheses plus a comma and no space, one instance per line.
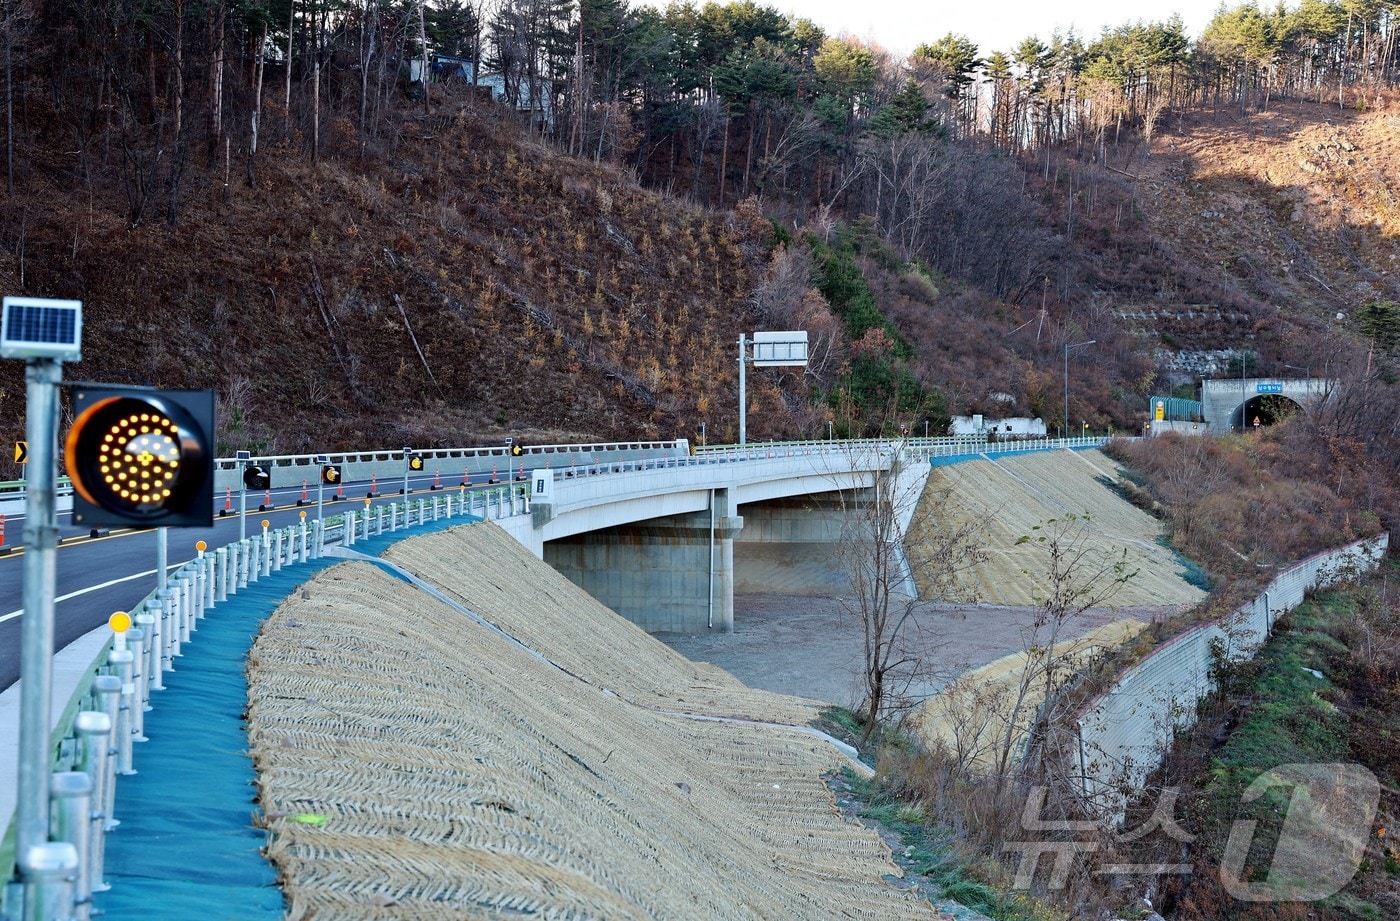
(42,376)
(743,395)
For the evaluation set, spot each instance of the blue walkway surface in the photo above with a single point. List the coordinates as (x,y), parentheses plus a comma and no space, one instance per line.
(186,849)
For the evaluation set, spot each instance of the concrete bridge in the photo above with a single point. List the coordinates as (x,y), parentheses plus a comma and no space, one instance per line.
(657,545)
(1231,405)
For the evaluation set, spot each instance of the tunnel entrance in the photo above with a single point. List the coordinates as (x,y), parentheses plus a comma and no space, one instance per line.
(1264,409)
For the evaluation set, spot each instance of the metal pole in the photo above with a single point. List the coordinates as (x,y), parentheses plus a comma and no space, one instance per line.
(162,559)
(743,394)
(242,502)
(1064,431)
(1244,362)
(42,376)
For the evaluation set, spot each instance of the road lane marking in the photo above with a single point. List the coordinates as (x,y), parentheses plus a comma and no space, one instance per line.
(83,591)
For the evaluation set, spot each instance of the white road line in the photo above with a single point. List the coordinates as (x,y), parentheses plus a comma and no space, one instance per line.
(83,591)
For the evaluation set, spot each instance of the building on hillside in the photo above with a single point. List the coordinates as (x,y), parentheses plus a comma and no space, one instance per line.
(535,97)
(1016,427)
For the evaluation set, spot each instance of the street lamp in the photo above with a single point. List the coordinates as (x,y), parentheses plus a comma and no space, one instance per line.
(1306,371)
(1244,397)
(1068,346)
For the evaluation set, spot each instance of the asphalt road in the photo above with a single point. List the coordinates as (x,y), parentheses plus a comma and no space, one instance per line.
(114,572)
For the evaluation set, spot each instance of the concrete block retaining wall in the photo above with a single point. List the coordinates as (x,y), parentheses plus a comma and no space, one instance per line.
(1124,733)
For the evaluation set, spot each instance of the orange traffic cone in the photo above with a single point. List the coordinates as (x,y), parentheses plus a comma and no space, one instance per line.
(228,503)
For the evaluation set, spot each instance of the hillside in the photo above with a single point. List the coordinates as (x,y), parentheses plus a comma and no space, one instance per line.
(460,285)
(459,281)
(1264,231)
(1020,495)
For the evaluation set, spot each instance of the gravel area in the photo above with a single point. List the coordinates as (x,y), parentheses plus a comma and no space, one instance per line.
(809,646)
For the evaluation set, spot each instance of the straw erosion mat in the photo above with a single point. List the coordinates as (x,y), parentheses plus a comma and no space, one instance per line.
(1023,492)
(415,764)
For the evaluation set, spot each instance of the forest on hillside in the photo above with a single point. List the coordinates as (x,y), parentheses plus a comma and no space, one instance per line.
(714,102)
(945,225)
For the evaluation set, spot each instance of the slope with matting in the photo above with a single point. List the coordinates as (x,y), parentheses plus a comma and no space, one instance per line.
(416,764)
(1028,496)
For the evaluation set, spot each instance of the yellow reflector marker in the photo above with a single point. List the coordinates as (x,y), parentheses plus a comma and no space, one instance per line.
(201,546)
(266,523)
(120,622)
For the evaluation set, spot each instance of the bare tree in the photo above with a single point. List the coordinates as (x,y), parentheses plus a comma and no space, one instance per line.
(899,636)
(1079,576)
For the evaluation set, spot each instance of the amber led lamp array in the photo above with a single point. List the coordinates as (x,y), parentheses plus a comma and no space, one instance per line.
(139,459)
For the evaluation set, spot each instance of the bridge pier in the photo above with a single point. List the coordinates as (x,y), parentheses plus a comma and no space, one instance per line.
(674,573)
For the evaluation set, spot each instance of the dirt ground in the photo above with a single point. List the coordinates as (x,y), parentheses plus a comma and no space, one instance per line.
(809,646)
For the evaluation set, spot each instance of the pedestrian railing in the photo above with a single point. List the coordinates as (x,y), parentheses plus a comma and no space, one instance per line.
(94,743)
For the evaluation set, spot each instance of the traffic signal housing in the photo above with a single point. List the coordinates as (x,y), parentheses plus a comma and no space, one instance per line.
(141,457)
(330,474)
(256,477)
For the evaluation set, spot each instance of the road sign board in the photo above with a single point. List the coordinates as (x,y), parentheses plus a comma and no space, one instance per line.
(774,349)
(1268,387)
(21,452)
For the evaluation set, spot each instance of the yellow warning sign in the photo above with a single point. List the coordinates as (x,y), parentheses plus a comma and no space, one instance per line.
(1161,411)
(21,452)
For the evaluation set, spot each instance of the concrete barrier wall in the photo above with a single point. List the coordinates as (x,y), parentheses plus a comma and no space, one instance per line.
(1124,733)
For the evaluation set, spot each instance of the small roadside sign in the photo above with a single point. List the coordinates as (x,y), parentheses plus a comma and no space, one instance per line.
(21,452)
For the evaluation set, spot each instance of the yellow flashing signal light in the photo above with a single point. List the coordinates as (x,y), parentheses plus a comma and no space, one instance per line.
(140,457)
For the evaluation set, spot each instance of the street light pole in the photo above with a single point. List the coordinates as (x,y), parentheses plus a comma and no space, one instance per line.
(1064,433)
(1244,397)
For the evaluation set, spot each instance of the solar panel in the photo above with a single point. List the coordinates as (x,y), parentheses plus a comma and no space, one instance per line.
(35,327)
